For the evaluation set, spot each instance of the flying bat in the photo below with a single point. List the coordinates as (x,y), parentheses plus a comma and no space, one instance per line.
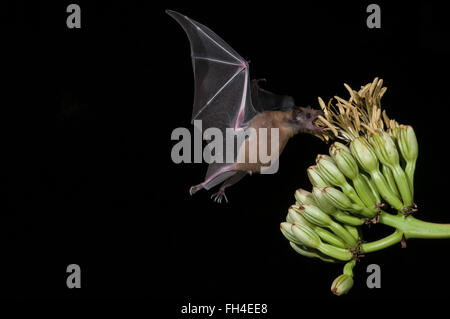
(226,98)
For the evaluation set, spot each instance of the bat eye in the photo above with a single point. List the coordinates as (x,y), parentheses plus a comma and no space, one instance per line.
(308,115)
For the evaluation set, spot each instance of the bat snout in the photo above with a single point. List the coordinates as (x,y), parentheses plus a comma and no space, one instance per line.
(307,118)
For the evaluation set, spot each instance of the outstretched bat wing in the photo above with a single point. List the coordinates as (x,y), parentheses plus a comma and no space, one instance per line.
(222,96)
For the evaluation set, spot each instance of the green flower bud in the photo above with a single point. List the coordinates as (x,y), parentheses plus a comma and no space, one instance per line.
(327,207)
(315,177)
(337,198)
(312,253)
(324,157)
(306,236)
(295,216)
(344,160)
(364,154)
(304,197)
(387,153)
(385,149)
(341,146)
(393,132)
(342,202)
(322,202)
(289,219)
(331,173)
(367,159)
(315,216)
(335,252)
(286,231)
(407,143)
(342,284)
(329,170)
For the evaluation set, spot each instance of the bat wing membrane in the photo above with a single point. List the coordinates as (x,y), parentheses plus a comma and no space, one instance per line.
(222,96)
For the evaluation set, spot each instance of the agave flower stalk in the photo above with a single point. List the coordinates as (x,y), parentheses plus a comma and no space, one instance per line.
(374,170)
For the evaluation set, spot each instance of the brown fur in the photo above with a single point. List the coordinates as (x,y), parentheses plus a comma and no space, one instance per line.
(268,119)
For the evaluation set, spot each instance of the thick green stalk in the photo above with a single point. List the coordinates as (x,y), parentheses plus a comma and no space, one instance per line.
(415,228)
(410,227)
(380,244)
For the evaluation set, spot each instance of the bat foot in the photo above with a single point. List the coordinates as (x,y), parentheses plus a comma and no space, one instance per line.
(217,197)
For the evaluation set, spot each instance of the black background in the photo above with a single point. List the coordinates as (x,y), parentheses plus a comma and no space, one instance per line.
(87,177)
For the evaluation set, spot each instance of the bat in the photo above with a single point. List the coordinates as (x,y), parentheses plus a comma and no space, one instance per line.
(226,98)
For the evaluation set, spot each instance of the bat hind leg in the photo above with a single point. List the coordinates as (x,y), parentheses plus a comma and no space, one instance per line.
(222,174)
(217,197)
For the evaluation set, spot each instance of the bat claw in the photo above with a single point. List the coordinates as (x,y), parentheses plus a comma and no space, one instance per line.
(217,197)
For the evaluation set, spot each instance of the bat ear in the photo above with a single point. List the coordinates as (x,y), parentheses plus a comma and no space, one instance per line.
(311,111)
(306,109)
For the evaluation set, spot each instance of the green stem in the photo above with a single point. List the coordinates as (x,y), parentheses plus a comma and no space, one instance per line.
(343,234)
(415,228)
(373,188)
(348,268)
(363,190)
(345,218)
(329,237)
(335,252)
(409,170)
(385,191)
(387,172)
(403,185)
(350,192)
(385,242)
(410,227)
(353,231)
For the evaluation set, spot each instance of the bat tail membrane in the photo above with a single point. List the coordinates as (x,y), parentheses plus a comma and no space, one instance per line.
(222,85)
(217,173)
